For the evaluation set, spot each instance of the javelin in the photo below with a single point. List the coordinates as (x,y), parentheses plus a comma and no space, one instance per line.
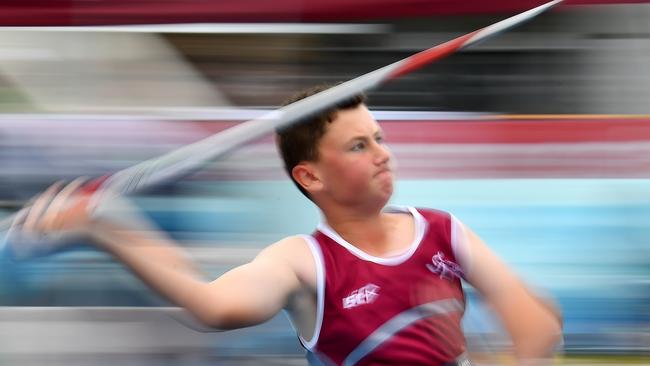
(190,158)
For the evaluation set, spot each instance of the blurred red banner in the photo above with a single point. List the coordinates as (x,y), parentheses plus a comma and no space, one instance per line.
(119,12)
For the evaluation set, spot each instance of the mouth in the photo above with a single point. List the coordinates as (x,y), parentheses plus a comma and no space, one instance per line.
(383,171)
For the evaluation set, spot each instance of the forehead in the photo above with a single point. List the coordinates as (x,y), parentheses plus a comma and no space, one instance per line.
(350,123)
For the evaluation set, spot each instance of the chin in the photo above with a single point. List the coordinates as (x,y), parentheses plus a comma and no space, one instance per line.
(385,197)
(388,191)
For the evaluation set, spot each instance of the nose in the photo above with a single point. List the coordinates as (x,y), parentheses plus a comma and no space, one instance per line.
(382,154)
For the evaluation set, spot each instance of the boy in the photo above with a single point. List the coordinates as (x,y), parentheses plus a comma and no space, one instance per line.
(372,285)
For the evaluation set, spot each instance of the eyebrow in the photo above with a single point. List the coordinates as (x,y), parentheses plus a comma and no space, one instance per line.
(377,133)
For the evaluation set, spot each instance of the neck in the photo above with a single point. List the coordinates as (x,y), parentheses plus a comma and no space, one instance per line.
(369,231)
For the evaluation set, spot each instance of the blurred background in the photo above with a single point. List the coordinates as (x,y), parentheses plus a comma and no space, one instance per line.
(539,139)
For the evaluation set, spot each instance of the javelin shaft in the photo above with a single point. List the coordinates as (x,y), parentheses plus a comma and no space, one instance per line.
(187,159)
(190,158)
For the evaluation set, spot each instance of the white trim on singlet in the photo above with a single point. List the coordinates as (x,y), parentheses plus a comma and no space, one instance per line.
(320,291)
(460,245)
(420,228)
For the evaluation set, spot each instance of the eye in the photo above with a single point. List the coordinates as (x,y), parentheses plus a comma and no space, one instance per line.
(379,139)
(359,146)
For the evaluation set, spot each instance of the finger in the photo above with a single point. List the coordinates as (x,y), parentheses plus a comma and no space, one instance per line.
(53,214)
(39,206)
(20,216)
(18,220)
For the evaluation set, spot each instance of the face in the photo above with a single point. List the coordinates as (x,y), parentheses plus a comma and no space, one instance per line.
(354,164)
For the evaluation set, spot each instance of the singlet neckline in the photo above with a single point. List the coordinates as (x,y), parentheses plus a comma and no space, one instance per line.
(420,226)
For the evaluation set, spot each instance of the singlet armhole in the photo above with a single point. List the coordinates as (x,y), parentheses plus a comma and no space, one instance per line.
(320,292)
(460,244)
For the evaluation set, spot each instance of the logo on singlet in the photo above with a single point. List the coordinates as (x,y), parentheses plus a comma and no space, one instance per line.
(365,295)
(445,268)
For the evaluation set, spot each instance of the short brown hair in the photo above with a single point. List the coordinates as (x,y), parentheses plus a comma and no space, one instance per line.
(299,141)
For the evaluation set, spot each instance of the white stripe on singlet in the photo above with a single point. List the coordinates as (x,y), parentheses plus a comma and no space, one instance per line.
(399,322)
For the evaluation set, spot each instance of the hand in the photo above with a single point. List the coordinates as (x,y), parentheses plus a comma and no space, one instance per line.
(55,218)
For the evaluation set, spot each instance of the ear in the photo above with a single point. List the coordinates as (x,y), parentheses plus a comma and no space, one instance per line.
(307,176)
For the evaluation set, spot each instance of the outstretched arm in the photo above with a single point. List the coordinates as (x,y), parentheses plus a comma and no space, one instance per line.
(534,324)
(246,295)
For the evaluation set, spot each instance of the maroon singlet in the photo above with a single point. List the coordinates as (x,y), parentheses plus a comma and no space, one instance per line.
(402,310)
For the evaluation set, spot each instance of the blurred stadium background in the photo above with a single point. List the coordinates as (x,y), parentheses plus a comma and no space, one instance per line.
(539,139)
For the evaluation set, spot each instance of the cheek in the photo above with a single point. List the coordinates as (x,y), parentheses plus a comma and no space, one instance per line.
(348,173)
(356,169)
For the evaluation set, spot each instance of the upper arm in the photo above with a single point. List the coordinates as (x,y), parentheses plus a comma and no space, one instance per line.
(533,324)
(482,268)
(254,292)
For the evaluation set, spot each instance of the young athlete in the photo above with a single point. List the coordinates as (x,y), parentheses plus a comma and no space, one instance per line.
(373,285)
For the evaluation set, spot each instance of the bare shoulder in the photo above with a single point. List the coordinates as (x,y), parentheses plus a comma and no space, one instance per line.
(293,252)
(286,248)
